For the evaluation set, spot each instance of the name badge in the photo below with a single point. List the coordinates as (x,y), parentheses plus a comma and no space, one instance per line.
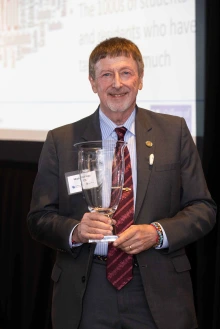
(73,182)
(89,180)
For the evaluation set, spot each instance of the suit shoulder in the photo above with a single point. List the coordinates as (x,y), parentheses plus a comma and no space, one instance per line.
(161,118)
(75,128)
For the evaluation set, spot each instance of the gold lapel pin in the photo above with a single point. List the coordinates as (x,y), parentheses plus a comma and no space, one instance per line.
(149,143)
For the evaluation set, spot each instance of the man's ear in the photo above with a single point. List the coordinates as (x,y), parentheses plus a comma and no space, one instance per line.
(140,83)
(93,84)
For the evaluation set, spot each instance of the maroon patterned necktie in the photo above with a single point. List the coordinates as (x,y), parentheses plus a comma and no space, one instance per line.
(120,264)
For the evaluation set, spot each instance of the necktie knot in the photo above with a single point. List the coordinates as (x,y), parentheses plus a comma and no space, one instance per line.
(120,131)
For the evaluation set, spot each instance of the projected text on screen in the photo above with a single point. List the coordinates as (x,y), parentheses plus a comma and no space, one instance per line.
(44,51)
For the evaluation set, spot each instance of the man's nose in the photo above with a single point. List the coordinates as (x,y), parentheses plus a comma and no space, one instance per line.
(116,80)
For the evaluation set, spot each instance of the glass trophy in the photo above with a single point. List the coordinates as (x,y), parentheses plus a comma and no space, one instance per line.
(101,170)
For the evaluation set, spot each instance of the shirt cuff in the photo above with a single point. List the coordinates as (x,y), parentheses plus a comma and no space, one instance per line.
(73,245)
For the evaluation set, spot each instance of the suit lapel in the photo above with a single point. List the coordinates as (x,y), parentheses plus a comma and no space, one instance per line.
(92,131)
(144,133)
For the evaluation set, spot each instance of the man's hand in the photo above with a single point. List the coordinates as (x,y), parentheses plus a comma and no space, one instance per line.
(93,226)
(136,239)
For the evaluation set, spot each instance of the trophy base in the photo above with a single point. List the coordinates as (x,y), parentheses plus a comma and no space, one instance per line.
(107,238)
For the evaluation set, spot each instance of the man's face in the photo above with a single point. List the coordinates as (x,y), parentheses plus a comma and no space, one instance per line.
(116,83)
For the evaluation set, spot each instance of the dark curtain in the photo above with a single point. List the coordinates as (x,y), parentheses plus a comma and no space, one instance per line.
(25,284)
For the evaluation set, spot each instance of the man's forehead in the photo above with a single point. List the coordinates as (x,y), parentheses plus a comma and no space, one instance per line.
(116,61)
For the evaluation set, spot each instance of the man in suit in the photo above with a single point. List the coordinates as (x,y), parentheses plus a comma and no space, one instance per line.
(171,201)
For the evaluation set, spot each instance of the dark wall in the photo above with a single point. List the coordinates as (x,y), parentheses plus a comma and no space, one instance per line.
(20,151)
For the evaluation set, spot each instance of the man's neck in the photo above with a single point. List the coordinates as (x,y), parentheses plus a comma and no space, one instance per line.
(119,118)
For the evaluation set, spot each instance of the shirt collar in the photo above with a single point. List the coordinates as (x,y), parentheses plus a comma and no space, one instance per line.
(108,126)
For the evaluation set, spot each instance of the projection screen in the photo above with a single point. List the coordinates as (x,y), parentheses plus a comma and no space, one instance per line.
(44,51)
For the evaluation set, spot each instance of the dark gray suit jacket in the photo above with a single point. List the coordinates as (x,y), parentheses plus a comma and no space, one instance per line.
(172,191)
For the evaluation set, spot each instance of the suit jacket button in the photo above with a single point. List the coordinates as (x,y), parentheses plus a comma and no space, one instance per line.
(83,278)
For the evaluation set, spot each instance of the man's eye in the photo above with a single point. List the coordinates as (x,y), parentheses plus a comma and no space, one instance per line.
(106,74)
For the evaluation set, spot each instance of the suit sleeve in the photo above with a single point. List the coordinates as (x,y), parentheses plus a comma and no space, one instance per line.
(45,223)
(197,213)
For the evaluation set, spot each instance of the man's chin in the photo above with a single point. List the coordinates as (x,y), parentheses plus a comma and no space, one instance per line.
(117,109)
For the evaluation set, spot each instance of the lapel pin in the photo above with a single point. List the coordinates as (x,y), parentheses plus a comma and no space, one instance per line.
(151,159)
(149,143)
